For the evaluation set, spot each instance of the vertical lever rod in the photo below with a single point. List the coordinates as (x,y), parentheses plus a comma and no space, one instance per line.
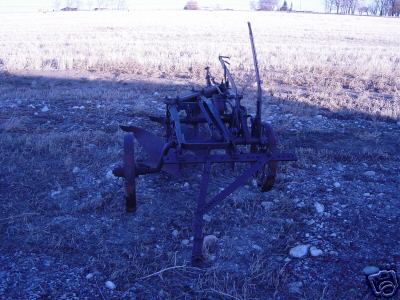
(259,89)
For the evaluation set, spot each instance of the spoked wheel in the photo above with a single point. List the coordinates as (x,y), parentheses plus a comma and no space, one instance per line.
(129,173)
(267,175)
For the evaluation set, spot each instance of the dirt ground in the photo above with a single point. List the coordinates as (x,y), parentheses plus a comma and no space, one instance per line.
(64,232)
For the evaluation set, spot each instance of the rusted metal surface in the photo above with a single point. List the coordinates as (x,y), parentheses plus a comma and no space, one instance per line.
(211,118)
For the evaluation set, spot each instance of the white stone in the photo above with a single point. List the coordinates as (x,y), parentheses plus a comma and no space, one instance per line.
(54,193)
(320,208)
(256,247)
(186,184)
(319,116)
(210,246)
(89,276)
(310,222)
(336,185)
(295,287)
(299,251)
(185,242)
(110,175)
(110,285)
(267,205)
(175,233)
(367,194)
(369,173)
(75,170)
(314,251)
(156,94)
(207,218)
(45,109)
(369,270)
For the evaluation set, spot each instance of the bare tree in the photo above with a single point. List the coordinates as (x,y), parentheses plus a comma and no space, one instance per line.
(101,4)
(122,5)
(267,4)
(341,6)
(56,4)
(89,4)
(328,5)
(253,5)
(393,7)
(191,5)
(397,8)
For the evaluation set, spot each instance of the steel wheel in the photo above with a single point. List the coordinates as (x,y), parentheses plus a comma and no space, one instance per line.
(266,177)
(129,173)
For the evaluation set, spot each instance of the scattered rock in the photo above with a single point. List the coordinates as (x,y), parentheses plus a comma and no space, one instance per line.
(175,233)
(89,276)
(267,204)
(368,270)
(45,109)
(367,194)
(207,218)
(314,251)
(156,94)
(186,185)
(110,175)
(110,285)
(256,247)
(92,148)
(369,173)
(336,185)
(185,242)
(299,251)
(295,287)
(254,183)
(310,222)
(75,170)
(319,116)
(320,208)
(54,193)
(210,247)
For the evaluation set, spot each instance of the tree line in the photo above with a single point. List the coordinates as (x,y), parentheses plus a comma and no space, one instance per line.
(90,4)
(374,7)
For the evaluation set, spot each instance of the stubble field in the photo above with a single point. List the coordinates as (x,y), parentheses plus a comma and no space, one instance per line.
(67,80)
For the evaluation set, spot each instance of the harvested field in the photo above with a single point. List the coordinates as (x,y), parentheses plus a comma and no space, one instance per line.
(67,80)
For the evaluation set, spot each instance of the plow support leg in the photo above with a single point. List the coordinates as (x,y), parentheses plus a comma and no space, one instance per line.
(198,222)
(203,206)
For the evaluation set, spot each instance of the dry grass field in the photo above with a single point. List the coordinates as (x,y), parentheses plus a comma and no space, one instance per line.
(337,62)
(68,80)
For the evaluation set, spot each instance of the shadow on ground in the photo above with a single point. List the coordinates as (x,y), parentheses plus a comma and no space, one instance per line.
(64,232)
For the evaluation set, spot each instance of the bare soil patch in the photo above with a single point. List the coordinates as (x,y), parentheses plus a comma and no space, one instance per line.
(64,232)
